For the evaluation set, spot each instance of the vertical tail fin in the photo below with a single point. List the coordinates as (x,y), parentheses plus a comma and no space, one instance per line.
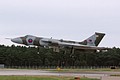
(94,40)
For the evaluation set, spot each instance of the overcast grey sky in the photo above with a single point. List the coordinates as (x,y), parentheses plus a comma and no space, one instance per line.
(67,19)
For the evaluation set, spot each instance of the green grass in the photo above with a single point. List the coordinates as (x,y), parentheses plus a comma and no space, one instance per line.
(81,70)
(117,75)
(39,78)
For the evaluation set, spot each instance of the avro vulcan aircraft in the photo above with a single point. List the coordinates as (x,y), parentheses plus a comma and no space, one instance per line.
(89,44)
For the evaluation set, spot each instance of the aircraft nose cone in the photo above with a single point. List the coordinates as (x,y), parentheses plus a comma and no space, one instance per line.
(17,40)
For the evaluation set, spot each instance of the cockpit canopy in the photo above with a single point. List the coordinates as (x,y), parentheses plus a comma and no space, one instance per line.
(29,36)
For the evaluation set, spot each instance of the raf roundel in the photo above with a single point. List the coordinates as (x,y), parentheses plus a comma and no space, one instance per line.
(30,40)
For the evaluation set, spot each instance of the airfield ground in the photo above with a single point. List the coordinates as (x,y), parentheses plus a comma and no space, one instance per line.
(98,74)
(40,78)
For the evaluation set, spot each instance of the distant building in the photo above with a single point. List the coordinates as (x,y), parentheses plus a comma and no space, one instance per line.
(2,65)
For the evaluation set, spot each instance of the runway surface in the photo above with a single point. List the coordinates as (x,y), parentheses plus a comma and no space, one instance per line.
(91,74)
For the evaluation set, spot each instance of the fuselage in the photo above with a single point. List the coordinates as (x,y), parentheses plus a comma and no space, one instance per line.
(40,41)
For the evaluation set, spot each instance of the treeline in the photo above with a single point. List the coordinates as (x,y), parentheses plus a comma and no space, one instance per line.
(29,56)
